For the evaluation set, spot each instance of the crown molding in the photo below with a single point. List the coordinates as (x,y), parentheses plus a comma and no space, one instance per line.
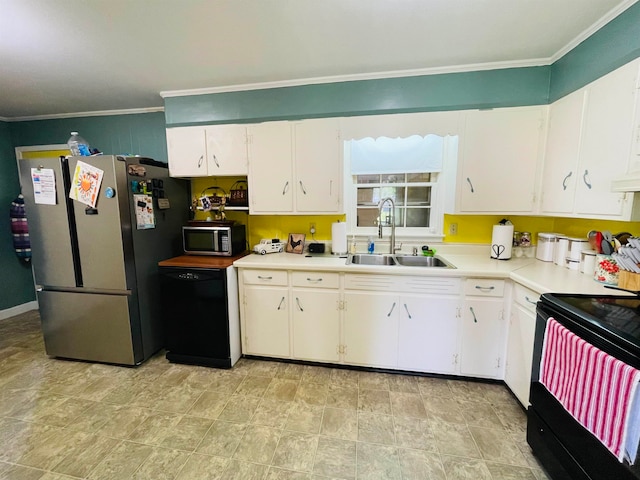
(582,36)
(536,62)
(97,113)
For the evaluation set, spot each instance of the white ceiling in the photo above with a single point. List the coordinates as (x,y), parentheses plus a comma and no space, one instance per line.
(64,56)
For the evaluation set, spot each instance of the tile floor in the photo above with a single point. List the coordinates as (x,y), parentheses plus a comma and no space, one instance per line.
(260,420)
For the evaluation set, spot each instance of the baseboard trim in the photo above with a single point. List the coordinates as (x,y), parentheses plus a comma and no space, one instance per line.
(18,309)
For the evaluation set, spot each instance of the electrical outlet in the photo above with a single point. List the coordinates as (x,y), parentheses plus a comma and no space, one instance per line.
(312,228)
(453,229)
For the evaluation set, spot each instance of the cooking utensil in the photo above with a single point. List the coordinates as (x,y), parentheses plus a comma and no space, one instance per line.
(598,242)
(606,247)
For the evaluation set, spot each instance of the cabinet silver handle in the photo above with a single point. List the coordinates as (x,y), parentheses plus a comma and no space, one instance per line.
(200,161)
(299,306)
(391,311)
(302,187)
(470,184)
(314,279)
(330,187)
(264,278)
(215,159)
(280,304)
(584,179)
(286,187)
(475,320)
(485,289)
(564,182)
(530,301)
(407,309)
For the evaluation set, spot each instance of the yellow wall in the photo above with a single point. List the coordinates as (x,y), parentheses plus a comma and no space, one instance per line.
(478,228)
(267,226)
(471,228)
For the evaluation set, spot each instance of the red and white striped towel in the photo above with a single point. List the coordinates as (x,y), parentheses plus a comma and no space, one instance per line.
(595,388)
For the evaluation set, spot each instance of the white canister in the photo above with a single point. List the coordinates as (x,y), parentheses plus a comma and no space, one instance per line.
(546,246)
(561,250)
(576,246)
(588,262)
(572,264)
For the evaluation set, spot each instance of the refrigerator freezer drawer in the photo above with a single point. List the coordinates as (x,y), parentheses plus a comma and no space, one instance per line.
(86,326)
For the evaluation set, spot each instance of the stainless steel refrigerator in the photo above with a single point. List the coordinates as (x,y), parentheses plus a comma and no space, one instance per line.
(95,267)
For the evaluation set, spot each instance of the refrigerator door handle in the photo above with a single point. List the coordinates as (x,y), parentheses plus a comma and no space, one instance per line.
(73,229)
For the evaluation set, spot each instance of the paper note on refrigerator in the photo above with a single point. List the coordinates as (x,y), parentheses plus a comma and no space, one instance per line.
(144,211)
(44,185)
(85,184)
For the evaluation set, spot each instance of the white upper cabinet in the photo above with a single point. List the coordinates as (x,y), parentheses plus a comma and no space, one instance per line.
(498,161)
(590,142)
(561,156)
(270,168)
(207,151)
(295,167)
(227,149)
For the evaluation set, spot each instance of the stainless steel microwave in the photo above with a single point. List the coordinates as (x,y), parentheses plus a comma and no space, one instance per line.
(214,240)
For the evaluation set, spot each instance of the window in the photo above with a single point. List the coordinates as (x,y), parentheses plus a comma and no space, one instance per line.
(410,171)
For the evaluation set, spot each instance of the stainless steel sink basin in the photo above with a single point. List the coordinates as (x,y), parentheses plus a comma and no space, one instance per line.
(421,261)
(371,259)
(402,260)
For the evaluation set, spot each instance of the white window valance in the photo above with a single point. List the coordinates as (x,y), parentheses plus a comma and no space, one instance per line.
(414,154)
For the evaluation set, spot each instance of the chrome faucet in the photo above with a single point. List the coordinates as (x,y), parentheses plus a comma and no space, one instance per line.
(392,244)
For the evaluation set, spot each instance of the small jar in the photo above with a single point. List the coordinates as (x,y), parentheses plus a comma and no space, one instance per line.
(525,239)
(516,239)
(606,270)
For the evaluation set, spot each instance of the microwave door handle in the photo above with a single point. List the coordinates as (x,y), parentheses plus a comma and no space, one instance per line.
(216,246)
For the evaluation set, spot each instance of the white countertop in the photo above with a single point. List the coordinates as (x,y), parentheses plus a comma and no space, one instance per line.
(469,260)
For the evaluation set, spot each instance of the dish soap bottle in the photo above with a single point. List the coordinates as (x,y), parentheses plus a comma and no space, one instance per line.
(370,245)
(78,145)
(353,245)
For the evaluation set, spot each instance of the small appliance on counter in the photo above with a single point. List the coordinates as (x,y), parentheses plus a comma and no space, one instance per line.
(214,238)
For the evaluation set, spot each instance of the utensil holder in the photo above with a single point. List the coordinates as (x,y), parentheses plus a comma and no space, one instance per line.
(629,280)
(607,270)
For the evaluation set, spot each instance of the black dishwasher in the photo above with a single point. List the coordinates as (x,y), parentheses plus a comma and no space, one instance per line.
(196,316)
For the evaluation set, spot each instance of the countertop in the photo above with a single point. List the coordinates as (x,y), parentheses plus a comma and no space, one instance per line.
(470,261)
(201,261)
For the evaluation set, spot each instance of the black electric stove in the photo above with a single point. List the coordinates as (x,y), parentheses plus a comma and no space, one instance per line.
(565,448)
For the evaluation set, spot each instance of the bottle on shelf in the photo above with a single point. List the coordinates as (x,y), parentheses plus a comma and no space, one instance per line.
(78,145)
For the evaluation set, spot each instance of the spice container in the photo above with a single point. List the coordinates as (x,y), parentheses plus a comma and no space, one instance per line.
(546,246)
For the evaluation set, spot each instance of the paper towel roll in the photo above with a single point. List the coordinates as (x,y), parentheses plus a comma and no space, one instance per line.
(339,238)
(501,242)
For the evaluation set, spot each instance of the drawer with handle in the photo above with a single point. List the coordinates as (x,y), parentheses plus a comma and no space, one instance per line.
(484,287)
(264,277)
(526,297)
(315,279)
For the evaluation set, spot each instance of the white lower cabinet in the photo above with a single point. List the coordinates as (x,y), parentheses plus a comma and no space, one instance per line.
(414,323)
(522,326)
(266,321)
(316,324)
(371,329)
(483,328)
(428,333)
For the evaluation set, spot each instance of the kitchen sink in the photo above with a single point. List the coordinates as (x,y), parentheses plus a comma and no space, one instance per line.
(402,260)
(371,259)
(421,261)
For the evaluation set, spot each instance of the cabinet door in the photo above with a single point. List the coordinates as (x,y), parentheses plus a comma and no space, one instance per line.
(266,321)
(500,151)
(318,166)
(316,325)
(186,148)
(606,142)
(482,338)
(560,172)
(520,352)
(227,149)
(270,168)
(428,334)
(371,329)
